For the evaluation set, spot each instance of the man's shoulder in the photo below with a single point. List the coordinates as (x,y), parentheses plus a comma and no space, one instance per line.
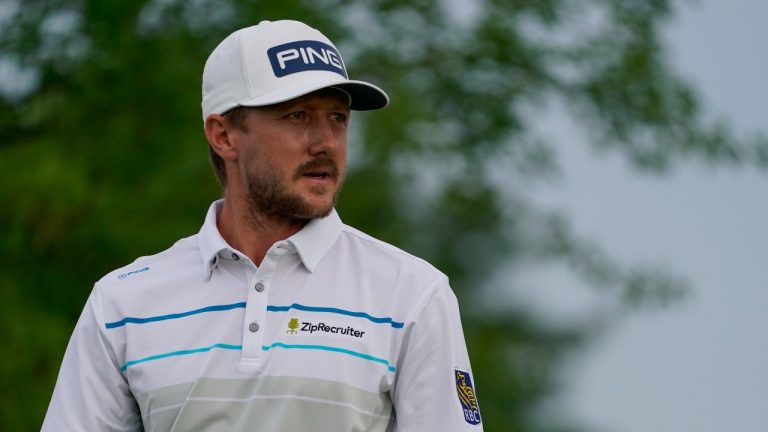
(405,281)
(183,254)
(382,251)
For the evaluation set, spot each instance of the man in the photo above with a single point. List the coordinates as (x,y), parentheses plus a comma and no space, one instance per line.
(276,316)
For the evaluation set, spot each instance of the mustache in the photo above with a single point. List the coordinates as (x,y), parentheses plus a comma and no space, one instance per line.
(320,163)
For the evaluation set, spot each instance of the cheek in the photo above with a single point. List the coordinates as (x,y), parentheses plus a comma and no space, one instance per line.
(248,159)
(341,153)
(263,155)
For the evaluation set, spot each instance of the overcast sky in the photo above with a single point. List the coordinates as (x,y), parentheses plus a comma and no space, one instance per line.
(700,365)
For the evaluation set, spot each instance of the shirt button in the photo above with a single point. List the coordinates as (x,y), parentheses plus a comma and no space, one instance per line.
(235,256)
(259,287)
(253,327)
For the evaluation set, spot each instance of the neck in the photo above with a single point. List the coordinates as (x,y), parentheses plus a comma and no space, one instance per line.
(252,233)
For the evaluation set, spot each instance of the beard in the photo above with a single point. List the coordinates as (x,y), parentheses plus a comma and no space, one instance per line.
(267,195)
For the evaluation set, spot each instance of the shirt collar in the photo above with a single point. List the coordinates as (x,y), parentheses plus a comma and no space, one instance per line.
(316,238)
(311,243)
(210,241)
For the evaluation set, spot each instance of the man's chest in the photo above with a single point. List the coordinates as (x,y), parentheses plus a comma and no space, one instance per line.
(282,343)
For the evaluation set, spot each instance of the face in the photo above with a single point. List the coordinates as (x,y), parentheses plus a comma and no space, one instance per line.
(293,156)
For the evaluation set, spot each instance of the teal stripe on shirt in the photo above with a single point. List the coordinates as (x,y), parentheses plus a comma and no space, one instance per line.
(332,349)
(264,348)
(180,353)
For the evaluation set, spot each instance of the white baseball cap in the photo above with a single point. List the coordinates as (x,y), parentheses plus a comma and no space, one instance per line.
(277,61)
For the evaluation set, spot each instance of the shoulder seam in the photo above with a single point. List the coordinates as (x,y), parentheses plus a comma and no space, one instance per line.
(434,289)
(138,261)
(384,245)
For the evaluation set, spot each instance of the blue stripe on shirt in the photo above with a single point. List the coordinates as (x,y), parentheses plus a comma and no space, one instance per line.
(132,320)
(301,307)
(241,305)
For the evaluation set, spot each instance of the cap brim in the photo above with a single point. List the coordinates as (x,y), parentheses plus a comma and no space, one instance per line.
(364,96)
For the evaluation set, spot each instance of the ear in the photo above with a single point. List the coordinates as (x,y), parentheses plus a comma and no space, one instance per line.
(220,136)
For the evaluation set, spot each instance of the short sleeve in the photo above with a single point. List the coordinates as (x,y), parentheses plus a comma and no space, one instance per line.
(91,392)
(433,389)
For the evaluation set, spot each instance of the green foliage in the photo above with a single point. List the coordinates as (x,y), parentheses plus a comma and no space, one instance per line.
(105,160)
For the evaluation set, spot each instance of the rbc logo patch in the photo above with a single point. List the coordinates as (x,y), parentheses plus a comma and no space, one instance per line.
(303,56)
(467,397)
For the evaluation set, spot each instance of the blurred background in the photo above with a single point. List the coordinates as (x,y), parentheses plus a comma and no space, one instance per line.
(591,174)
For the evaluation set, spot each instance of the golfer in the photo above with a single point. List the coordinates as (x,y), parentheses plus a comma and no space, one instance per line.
(275,316)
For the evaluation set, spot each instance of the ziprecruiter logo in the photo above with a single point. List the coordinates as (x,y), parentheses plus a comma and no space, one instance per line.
(295,327)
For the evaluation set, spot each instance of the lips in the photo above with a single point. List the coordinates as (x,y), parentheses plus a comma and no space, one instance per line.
(317,175)
(319,169)
(318,172)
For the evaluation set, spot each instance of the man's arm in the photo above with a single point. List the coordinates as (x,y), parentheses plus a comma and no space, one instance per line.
(91,392)
(434,390)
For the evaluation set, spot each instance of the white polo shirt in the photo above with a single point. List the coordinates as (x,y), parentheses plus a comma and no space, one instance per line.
(334,331)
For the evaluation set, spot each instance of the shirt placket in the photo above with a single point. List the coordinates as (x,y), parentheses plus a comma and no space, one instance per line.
(255,322)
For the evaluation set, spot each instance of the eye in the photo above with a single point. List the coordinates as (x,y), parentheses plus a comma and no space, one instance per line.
(339,117)
(297,115)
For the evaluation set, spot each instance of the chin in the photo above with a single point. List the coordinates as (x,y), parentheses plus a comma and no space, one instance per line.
(320,203)
(320,210)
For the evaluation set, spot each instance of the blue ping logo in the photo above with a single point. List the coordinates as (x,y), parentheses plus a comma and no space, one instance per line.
(467,397)
(306,55)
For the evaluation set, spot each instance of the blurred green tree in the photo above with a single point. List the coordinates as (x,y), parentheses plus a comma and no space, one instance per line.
(102,149)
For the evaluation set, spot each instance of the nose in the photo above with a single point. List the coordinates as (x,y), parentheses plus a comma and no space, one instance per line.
(326,136)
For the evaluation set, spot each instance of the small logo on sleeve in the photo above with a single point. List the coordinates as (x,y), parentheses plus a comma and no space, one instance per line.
(467,397)
(132,272)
